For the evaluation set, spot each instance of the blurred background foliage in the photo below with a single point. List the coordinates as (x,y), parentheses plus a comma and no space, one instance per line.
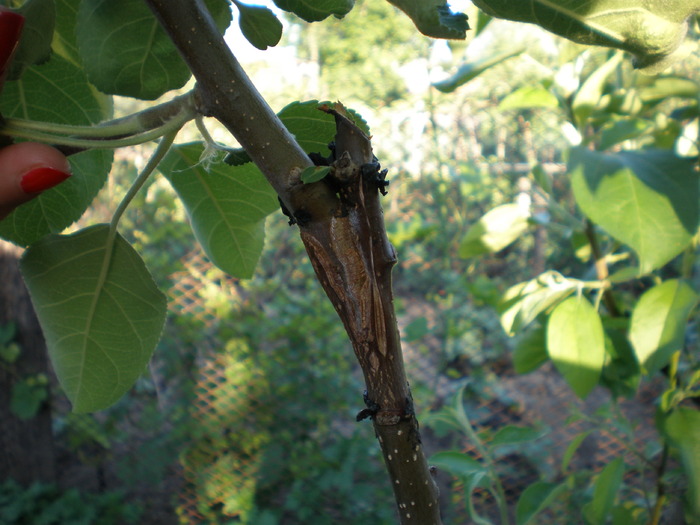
(247,414)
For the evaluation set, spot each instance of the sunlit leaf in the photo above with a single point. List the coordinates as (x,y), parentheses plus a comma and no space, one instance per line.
(528,97)
(658,322)
(497,229)
(664,87)
(588,96)
(683,429)
(575,343)
(522,303)
(653,30)
(471,70)
(617,131)
(648,200)
(226,205)
(57,91)
(99,309)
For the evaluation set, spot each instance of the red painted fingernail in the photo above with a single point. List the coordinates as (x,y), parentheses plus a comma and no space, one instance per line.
(11,24)
(41,179)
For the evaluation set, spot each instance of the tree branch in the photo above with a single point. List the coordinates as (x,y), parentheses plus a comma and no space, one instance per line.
(342,227)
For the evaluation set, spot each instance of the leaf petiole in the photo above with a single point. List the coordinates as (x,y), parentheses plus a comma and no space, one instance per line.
(158,154)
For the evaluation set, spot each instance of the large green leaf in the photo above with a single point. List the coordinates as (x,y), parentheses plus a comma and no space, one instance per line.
(99,309)
(683,429)
(659,321)
(576,344)
(226,204)
(497,229)
(648,200)
(316,10)
(125,50)
(56,92)
(653,30)
(605,491)
(471,70)
(434,18)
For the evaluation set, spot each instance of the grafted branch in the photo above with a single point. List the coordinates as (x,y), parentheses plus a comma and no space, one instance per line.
(342,229)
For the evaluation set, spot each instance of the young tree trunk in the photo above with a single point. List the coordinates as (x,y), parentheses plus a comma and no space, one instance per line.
(342,227)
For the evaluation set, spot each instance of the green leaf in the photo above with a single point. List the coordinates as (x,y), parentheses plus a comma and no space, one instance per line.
(522,303)
(99,309)
(416,329)
(683,429)
(35,44)
(471,70)
(56,92)
(534,499)
(226,205)
(575,343)
(259,25)
(653,30)
(614,132)
(530,351)
(648,200)
(316,10)
(312,128)
(65,43)
(126,51)
(621,374)
(659,321)
(588,96)
(511,434)
(314,174)
(605,491)
(458,463)
(664,87)
(495,230)
(571,450)
(10,352)
(27,398)
(434,18)
(528,97)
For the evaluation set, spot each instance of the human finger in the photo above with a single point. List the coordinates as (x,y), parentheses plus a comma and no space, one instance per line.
(26,170)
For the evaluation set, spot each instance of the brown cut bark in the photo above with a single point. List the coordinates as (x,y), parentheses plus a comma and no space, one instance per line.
(26,446)
(342,227)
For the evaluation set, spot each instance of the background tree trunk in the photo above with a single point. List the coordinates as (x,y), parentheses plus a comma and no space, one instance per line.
(26,446)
